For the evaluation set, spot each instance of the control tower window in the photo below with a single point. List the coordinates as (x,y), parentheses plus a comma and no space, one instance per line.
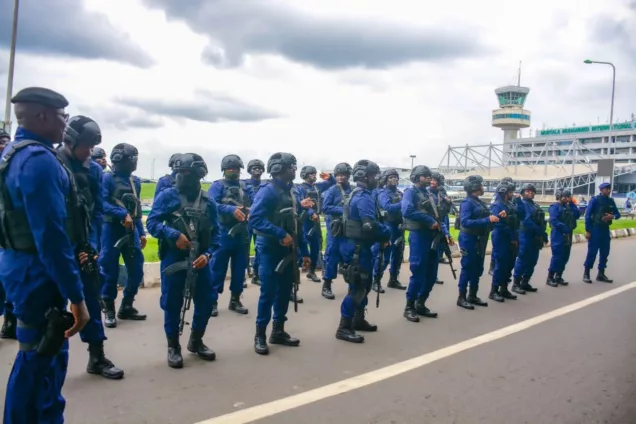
(511,98)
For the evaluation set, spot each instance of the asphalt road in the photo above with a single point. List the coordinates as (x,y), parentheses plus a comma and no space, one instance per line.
(576,368)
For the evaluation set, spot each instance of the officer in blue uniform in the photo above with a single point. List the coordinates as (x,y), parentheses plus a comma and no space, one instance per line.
(38,265)
(505,242)
(532,238)
(167,180)
(599,215)
(362,227)
(99,155)
(516,200)
(332,208)
(233,198)
(255,168)
(80,137)
(475,225)
(184,220)
(123,234)
(274,220)
(379,269)
(563,216)
(444,207)
(390,202)
(424,224)
(311,223)
(6,308)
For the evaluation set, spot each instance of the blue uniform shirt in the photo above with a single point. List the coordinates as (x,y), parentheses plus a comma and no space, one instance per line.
(364,207)
(39,185)
(502,226)
(469,215)
(384,200)
(332,204)
(165,182)
(410,210)
(114,210)
(555,213)
(595,203)
(217,192)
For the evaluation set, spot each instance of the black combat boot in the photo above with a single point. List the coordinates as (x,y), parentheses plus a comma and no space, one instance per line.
(8,326)
(196,345)
(558,277)
(491,269)
(109,314)
(326,290)
(550,281)
(394,283)
(175,360)
(279,336)
(421,309)
(602,277)
(586,276)
(525,285)
(345,331)
(361,324)
(494,294)
(462,302)
(438,281)
(473,299)
(260,341)
(215,309)
(377,284)
(256,280)
(128,312)
(505,293)
(236,305)
(409,311)
(298,298)
(311,276)
(99,364)
(516,286)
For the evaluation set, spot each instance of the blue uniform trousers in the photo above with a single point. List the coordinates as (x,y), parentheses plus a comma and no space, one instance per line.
(528,255)
(503,256)
(275,287)
(423,263)
(232,254)
(599,242)
(473,255)
(93,331)
(313,242)
(109,263)
(332,257)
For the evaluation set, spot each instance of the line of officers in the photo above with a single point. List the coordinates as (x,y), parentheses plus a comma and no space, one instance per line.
(66,220)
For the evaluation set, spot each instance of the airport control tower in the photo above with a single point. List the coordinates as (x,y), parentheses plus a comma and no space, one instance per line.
(511,116)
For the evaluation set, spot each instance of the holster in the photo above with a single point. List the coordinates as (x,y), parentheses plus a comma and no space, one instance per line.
(336,227)
(52,341)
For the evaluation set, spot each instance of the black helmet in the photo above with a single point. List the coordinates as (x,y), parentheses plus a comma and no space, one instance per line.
(473,183)
(506,180)
(231,161)
(343,168)
(98,153)
(511,186)
(82,130)
(255,163)
(563,193)
(190,162)
(381,178)
(437,177)
(364,168)
(306,170)
(124,152)
(419,171)
(278,162)
(442,179)
(172,159)
(503,188)
(4,134)
(528,186)
(390,173)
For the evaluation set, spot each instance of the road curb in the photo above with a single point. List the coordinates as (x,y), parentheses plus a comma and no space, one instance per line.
(152,273)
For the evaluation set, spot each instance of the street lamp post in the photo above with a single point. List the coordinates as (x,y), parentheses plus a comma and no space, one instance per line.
(611,125)
(14,33)
(412,159)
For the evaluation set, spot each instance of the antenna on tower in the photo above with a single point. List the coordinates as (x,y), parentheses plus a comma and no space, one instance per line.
(519,76)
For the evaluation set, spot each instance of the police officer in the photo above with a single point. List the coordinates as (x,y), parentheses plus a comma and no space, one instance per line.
(233,198)
(332,208)
(38,265)
(563,217)
(183,218)
(423,222)
(255,168)
(378,269)
(516,200)
(444,207)
(475,225)
(167,180)
(532,238)
(390,201)
(99,155)
(274,220)
(80,137)
(311,225)
(362,228)
(598,218)
(6,308)
(505,242)
(123,234)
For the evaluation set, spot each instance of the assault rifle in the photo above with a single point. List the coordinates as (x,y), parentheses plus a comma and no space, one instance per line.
(292,257)
(190,281)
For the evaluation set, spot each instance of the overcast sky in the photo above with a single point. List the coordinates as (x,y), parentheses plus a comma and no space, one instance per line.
(328,80)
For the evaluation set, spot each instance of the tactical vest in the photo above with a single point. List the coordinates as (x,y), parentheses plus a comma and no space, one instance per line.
(86,187)
(394,197)
(443,206)
(125,195)
(352,227)
(604,207)
(233,195)
(191,219)
(314,194)
(424,204)
(566,216)
(512,219)
(482,212)
(285,214)
(537,215)
(15,230)
(257,187)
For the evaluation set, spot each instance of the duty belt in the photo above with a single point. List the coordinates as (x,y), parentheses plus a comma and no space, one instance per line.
(27,347)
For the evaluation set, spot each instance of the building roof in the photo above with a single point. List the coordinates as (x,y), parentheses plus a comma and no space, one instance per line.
(527,173)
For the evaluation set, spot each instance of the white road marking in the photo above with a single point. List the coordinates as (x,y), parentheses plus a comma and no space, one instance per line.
(295,401)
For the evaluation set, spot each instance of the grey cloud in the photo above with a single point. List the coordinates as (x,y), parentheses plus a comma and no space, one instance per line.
(69,29)
(617,35)
(120,119)
(207,107)
(256,26)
